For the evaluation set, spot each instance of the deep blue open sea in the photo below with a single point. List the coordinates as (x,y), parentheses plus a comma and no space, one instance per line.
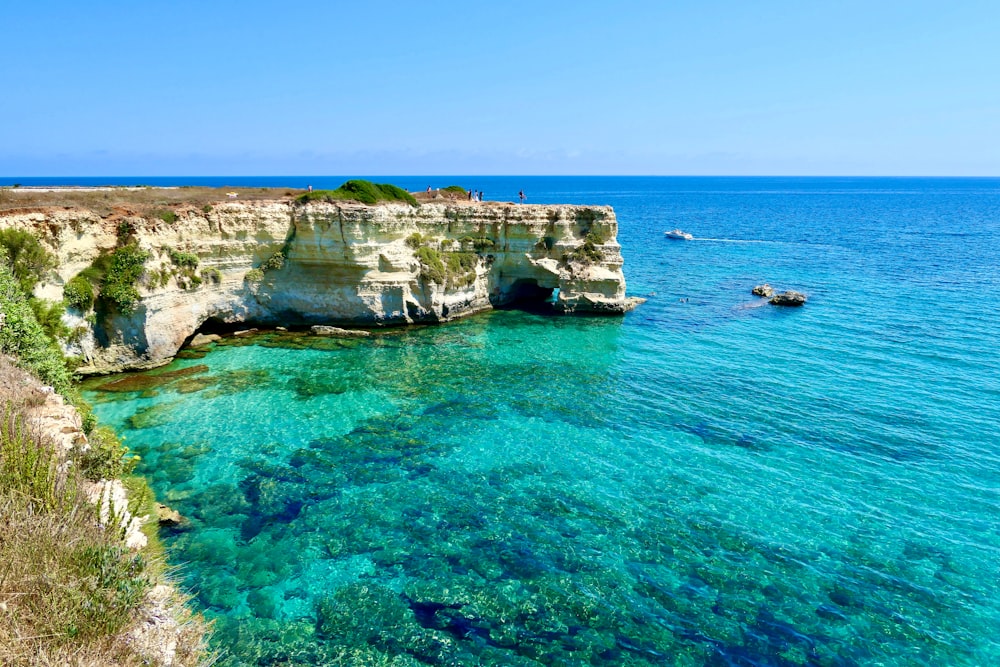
(706,481)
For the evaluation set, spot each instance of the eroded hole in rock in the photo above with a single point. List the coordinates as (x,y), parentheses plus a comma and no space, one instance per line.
(527,294)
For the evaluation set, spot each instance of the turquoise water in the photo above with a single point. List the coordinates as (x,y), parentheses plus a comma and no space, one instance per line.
(706,481)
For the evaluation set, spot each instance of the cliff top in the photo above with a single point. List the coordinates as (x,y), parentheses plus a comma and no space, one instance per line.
(104,200)
(161,202)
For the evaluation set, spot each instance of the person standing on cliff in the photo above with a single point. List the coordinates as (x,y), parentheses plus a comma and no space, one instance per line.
(520,195)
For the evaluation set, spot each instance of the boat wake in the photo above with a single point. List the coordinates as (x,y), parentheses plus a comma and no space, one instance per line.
(740,241)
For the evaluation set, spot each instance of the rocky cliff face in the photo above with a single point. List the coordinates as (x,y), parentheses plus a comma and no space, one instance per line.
(276,263)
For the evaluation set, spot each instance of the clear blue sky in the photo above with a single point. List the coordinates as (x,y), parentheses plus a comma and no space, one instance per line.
(658,87)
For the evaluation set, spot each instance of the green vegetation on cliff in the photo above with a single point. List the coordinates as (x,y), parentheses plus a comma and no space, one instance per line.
(446,268)
(70,589)
(27,259)
(22,337)
(365,192)
(113,277)
(120,284)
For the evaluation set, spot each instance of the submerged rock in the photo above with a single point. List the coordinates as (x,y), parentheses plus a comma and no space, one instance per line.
(200,340)
(323,330)
(764,290)
(789,298)
(168,516)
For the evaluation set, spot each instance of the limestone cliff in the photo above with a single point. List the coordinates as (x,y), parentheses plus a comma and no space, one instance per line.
(278,262)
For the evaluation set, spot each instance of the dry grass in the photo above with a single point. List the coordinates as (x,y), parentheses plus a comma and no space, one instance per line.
(70,593)
(141,200)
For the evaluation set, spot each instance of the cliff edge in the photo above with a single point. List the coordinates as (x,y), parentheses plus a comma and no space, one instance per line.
(294,263)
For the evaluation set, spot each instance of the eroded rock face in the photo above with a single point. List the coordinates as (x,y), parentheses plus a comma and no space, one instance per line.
(280,263)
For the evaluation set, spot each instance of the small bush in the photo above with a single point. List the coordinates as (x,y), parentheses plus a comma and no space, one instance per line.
(125,267)
(166,215)
(29,466)
(23,338)
(589,253)
(461,267)
(28,260)
(184,259)
(126,229)
(49,315)
(432,268)
(254,276)
(274,262)
(483,244)
(107,458)
(212,275)
(79,293)
(457,189)
(207,208)
(415,240)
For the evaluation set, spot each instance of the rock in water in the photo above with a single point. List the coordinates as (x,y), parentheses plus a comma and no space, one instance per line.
(204,339)
(167,516)
(789,298)
(764,290)
(323,330)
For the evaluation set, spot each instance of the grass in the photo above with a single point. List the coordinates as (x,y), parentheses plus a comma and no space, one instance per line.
(362,191)
(68,588)
(141,201)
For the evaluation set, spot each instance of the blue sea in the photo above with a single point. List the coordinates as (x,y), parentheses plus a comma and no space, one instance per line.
(708,480)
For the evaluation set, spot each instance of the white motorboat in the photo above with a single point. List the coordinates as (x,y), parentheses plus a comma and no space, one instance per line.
(679,235)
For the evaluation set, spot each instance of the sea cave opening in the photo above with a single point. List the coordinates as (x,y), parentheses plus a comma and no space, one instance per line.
(526,294)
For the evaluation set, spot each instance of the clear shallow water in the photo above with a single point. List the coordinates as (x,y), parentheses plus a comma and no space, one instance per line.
(702,482)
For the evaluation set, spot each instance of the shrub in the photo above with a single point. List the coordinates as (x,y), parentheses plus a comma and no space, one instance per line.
(79,293)
(415,240)
(125,267)
(49,315)
(482,244)
(432,268)
(254,276)
(458,189)
(461,267)
(107,458)
(29,466)
(207,208)
(184,259)
(212,275)
(26,257)
(274,262)
(126,228)
(23,338)
(589,253)
(166,215)
(363,191)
